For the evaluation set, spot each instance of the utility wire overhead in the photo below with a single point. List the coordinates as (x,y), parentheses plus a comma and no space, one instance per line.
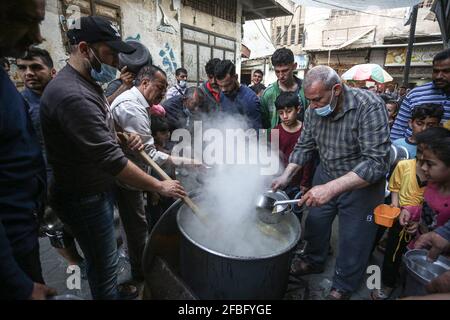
(349,9)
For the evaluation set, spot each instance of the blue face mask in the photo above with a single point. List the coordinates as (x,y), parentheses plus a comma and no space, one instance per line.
(106,74)
(328,109)
(182,84)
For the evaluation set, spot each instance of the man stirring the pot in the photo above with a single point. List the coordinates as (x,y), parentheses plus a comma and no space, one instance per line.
(83,150)
(349,127)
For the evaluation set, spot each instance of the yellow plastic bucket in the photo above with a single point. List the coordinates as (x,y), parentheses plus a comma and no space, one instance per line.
(385,215)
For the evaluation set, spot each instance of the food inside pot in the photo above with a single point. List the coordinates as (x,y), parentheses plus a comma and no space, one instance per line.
(237,234)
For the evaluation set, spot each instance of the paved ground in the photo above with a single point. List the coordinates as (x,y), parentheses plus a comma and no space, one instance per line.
(55,273)
(54,266)
(320,284)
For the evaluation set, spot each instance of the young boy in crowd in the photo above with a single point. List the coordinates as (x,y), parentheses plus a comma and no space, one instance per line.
(156,204)
(289,129)
(392,108)
(422,117)
(161,133)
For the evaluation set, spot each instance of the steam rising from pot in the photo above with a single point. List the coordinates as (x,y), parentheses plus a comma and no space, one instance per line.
(228,199)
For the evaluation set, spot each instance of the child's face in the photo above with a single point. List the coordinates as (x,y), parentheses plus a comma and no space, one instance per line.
(419,125)
(161,137)
(392,110)
(288,115)
(435,170)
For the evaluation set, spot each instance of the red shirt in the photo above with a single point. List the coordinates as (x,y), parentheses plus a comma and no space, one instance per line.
(287,141)
(214,93)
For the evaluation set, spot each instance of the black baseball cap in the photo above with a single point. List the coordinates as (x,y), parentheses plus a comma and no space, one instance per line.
(93,29)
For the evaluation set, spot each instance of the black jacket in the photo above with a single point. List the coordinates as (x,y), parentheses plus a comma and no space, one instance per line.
(79,135)
(22,187)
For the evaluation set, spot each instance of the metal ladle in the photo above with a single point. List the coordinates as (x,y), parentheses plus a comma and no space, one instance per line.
(271,206)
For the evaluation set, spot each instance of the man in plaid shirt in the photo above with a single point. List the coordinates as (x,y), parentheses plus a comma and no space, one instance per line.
(349,128)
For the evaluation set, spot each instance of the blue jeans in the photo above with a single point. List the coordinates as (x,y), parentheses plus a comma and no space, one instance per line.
(357,231)
(91,220)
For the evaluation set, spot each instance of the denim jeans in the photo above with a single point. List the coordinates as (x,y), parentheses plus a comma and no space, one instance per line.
(357,231)
(91,220)
(132,213)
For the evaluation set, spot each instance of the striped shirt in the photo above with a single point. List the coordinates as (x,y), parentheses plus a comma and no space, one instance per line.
(427,93)
(355,139)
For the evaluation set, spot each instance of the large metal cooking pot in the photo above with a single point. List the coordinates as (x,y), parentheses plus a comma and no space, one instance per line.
(212,273)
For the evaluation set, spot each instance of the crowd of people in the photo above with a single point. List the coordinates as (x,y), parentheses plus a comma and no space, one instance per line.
(70,145)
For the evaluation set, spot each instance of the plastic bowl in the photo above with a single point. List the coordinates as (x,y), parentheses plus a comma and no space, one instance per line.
(385,215)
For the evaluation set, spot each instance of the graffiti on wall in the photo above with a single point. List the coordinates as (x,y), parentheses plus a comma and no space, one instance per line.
(168,59)
(137,37)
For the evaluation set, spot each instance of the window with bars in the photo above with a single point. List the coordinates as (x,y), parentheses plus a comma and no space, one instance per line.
(285,35)
(293,29)
(278,36)
(224,9)
(94,7)
(88,8)
(199,46)
(300,34)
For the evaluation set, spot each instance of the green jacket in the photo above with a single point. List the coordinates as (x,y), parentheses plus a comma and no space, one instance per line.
(269,115)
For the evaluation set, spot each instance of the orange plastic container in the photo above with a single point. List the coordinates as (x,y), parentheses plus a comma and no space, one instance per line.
(385,215)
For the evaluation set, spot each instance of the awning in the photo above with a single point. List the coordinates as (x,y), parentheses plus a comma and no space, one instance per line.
(362,5)
(262,9)
(442,10)
(355,38)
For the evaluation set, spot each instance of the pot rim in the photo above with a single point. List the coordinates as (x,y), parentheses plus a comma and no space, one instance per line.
(409,261)
(236,257)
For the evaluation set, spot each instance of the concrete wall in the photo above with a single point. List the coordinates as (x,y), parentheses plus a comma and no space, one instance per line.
(142,19)
(388,23)
(201,20)
(51,31)
(139,19)
(316,19)
(297,19)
